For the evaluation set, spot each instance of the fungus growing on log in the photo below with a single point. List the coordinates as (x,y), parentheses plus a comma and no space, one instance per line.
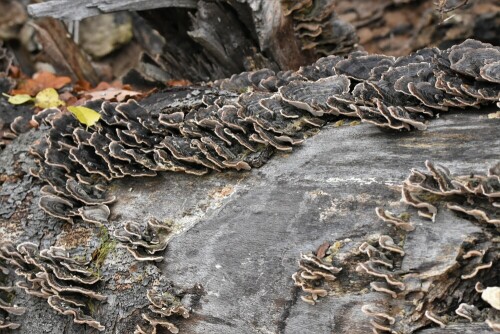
(315,270)
(162,305)
(435,318)
(318,28)
(391,219)
(421,190)
(387,243)
(217,129)
(429,291)
(8,311)
(145,240)
(52,274)
(469,312)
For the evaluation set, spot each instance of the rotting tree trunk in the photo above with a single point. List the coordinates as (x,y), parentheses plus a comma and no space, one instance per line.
(240,233)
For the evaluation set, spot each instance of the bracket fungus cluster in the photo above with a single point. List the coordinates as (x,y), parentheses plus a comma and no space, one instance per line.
(475,195)
(66,163)
(396,93)
(8,311)
(381,264)
(318,28)
(162,305)
(315,271)
(198,130)
(66,283)
(145,240)
(434,292)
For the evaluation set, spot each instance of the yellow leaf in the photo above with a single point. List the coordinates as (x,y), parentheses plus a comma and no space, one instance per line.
(19,99)
(85,115)
(48,98)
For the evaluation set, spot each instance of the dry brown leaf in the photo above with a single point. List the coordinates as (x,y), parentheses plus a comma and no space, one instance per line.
(178,83)
(82,86)
(321,251)
(113,94)
(103,85)
(39,82)
(68,98)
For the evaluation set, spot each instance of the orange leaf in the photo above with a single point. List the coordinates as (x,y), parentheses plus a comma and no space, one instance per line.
(101,86)
(82,85)
(178,83)
(40,81)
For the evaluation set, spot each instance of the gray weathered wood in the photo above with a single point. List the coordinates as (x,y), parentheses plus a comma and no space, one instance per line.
(64,9)
(80,9)
(116,5)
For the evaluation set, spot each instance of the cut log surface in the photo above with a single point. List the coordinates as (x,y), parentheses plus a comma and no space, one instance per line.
(239,234)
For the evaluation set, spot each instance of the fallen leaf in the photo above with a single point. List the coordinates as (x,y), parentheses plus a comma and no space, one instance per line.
(48,98)
(113,94)
(178,83)
(85,115)
(19,99)
(321,251)
(82,85)
(68,98)
(103,85)
(40,81)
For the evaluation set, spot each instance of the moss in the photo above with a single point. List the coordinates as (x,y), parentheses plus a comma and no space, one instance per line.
(334,249)
(430,197)
(405,216)
(339,123)
(402,242)
(80,258)
(244,90)
(354,123)
(169,222)
(9,297)
(107,245)
(92,307)
(328,259)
